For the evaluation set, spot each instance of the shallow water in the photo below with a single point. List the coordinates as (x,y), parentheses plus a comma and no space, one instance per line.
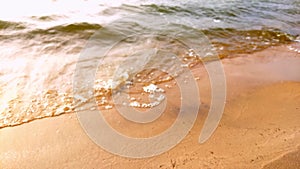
(40,43)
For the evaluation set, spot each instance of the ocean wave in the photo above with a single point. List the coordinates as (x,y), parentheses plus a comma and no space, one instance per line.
(233,41)
(73,28)
(226,40)
(11,25)
(46,18)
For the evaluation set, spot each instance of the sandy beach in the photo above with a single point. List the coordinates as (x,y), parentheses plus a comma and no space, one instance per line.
(259,129)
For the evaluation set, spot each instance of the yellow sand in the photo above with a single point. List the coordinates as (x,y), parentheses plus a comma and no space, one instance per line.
(260,126)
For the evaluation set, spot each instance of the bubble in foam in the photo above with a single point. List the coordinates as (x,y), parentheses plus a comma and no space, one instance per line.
(152,88)
(155,95)
(43,104)
(108,107)
(82,99)
(126,71)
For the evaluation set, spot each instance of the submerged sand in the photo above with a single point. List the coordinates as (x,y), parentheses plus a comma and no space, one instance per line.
(259,129)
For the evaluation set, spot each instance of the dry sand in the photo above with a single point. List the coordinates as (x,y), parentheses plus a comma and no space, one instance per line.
(260,127)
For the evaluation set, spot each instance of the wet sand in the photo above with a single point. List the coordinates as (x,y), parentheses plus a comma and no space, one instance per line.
(290,160)
(259,128)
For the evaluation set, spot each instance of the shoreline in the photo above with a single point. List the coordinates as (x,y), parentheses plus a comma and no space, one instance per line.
(260,124)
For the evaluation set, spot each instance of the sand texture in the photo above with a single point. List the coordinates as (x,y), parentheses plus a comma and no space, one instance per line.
(260,127)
